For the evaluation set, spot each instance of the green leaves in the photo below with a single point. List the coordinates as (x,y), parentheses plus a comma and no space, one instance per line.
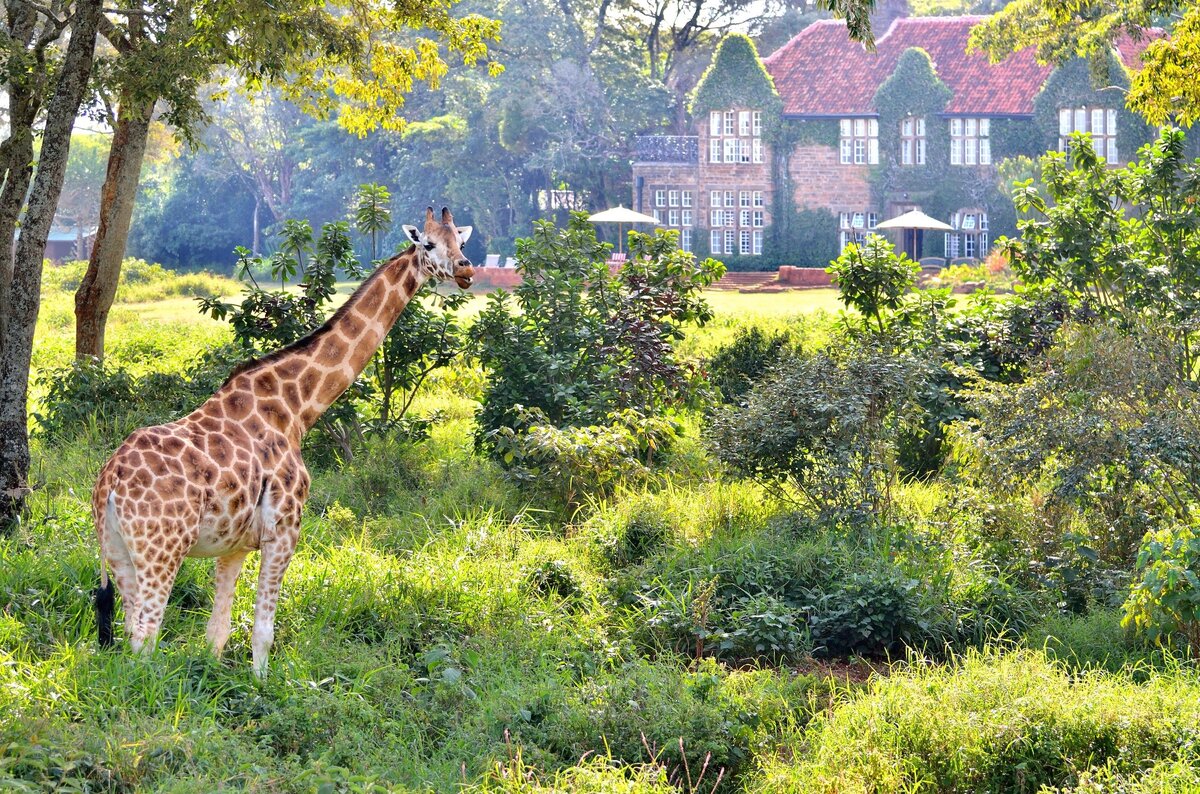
(1165,600)
(578,342)
(872,279)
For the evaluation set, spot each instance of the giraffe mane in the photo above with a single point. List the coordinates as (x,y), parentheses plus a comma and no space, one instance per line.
(312,337)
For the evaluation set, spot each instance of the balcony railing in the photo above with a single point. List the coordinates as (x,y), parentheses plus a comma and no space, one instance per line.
(666,149)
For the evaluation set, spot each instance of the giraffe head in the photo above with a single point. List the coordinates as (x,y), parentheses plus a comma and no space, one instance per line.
(442,244)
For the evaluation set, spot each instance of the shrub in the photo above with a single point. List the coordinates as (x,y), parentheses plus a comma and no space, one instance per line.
(575,463)
(579,343)
(1165,597)
(872,279)
(737,366)
(827,426)
(1107,413)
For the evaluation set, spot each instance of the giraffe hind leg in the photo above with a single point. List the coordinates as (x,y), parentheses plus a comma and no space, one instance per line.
(116,555)
(157,569)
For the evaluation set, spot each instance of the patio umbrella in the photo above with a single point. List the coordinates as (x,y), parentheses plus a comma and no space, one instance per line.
(621,216)
(915,220)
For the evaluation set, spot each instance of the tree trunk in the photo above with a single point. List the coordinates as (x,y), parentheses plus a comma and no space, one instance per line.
(24,291)
(96,292)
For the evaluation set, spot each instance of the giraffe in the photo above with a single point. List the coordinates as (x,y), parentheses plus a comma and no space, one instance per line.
(228,478)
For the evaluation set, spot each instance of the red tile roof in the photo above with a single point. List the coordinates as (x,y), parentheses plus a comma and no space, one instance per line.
(821,72)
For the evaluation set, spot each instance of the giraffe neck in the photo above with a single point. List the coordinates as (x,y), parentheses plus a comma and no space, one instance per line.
(295,385)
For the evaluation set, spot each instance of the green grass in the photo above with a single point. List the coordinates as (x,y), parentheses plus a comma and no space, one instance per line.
(440,630)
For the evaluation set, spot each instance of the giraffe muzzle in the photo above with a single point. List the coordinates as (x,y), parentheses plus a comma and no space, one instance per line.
(463,276)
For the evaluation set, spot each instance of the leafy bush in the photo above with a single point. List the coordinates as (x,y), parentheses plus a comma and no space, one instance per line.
(1165,598)
(1108,413)
(98,394)
(1124,239)
(872,279)
(737,366)
(578,342)
(575,463)
(826,426)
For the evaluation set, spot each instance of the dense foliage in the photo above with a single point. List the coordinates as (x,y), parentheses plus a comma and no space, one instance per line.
(576,341)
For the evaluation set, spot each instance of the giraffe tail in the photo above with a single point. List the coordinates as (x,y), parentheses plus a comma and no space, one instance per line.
(104,597)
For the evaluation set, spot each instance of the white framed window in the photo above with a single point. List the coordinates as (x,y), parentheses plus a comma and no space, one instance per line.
(715,218)
(685,218)
(714,241)
(758,219)
(686,196)
(730,241)
(714,198)
(730,119)
(758,198)
(714,123)
(685,240)
(859,143)
(730,218)
(758,243)
(912,140)
(729,198)
(970,141)
(853,227)
(969,237)
(743,150)
(756,150)
(672,198)
(660,198)
(744,198)
(756,124)
(744,218)
(731,150)
(1099,122)
(744,242)
(672,217)
(658,216)
(714,150)
(744,122)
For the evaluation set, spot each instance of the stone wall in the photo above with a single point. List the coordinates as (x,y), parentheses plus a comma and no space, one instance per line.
(820,181)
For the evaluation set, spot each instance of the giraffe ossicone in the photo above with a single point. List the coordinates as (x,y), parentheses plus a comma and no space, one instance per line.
(228,478)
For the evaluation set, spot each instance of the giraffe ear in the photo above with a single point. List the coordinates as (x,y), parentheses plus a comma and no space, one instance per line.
(464,234)
(414,234)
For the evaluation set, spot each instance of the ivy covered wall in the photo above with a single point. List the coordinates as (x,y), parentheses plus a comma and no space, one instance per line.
(939,188)
(736,78)
(1080,83)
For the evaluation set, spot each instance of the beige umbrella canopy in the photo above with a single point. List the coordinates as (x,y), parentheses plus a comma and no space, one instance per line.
(914,220)
(621,216)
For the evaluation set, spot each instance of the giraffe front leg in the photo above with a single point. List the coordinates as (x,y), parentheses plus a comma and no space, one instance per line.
(276,554)
(227,570)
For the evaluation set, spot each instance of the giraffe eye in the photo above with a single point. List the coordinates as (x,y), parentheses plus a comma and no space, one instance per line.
(430,246)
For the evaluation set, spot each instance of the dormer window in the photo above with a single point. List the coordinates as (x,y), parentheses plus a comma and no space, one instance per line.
(735,136)
(970,142)
(912,140)
(859,144)
(1100,123)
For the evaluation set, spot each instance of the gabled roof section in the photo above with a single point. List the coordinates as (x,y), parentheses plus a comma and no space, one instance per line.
(821,72)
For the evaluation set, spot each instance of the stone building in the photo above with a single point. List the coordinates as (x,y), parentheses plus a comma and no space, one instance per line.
(798,154)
